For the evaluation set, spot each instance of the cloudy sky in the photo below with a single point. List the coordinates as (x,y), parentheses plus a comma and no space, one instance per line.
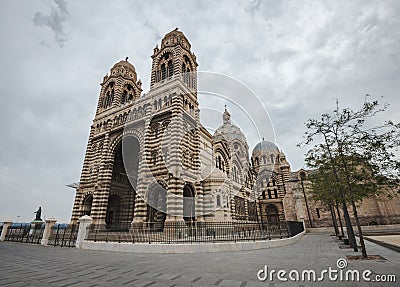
(297,56)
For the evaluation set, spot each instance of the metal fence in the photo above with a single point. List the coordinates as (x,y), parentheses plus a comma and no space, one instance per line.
(25,233)
(195,232)
(63,235)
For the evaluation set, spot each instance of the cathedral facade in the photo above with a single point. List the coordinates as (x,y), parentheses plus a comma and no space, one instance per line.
(149,160)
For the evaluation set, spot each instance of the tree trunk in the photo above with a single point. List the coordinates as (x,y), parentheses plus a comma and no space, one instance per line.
(340,219)
(363,250)
(335,226)
(350,231)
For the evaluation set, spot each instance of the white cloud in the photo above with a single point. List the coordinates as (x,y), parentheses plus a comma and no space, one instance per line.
(55,20)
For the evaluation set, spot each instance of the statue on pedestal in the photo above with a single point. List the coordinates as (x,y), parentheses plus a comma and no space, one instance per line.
(38,214)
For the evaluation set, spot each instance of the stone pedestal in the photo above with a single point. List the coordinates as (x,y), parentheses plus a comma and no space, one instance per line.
(6,224)
(84,223)
(36,225)
(47,230)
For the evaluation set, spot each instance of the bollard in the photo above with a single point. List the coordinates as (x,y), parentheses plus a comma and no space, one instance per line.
(47,230)
(6,225)
(84,223)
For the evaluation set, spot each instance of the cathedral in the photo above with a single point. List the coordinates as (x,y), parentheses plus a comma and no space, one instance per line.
(149,160)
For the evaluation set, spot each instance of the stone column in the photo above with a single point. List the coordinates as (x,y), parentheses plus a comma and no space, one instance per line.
(140,208)
(85,177)
(47,230)
(199,202)
(6,224)
(100,198)
(84,222)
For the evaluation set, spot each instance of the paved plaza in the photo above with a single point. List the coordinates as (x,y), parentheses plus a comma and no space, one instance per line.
(391,239)
(32,265)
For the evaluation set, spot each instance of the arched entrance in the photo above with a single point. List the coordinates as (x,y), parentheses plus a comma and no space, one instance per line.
(123,183)
(188,204)
(272,213)
(131,153)
(156,207)
(113,211)
(87,205)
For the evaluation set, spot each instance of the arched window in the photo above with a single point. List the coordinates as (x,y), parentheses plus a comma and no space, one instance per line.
(123,97)
(186,69)
(235,174)
(156,206)
(170,69)
(165,67)
(163,72)
(87,205)
(127,94)
(108,100)
(189,202)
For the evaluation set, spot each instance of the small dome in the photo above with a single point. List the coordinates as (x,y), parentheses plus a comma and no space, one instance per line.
(265,146)
(125,69)
(174,37)
(228,131)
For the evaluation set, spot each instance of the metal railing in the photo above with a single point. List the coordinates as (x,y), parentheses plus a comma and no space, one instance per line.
(194,232)
(25,233)
(63,235)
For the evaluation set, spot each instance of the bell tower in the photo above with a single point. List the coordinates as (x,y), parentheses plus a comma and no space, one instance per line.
(174,60)
(120,87)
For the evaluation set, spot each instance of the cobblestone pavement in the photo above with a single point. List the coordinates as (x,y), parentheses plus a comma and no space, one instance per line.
(32,265)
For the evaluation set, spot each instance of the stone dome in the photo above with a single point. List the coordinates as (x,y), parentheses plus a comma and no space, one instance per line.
(174,37)
(125,69)
(229,131)
(265,146)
